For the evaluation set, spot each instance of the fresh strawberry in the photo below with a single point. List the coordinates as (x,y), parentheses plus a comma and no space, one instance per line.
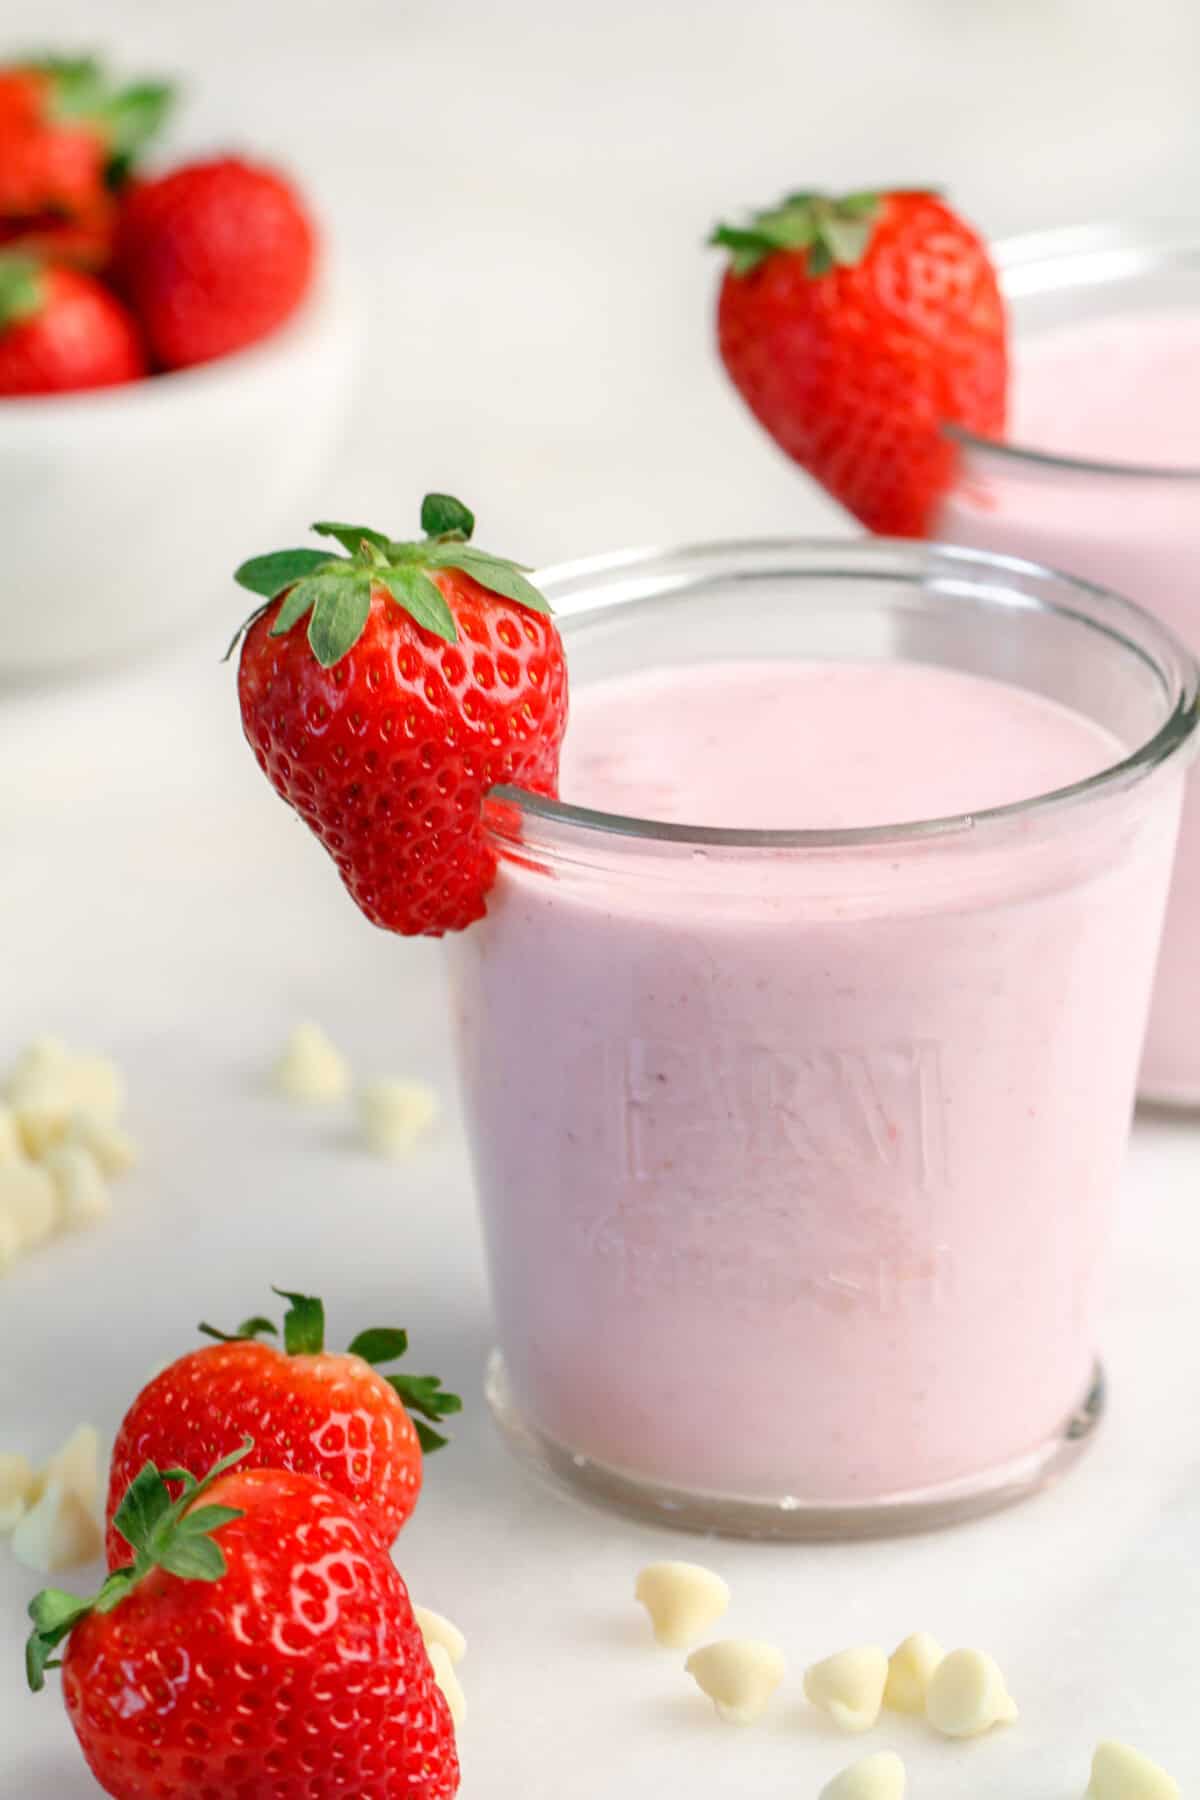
(428,673)
(61,330)
(214,256)
(258,1644)
(308,1409)
(65,133)
(857,330)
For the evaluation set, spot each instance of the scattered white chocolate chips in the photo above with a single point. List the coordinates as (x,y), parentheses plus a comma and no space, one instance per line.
(968,1695)
(1119,1773)
(878,1777)
(393,1114)
(57,1532)
(910,1670)
(435,1628)
(739,1675)
(311,1069)
(684,1601)
(849,1686)
(61,1141)
(446,1676)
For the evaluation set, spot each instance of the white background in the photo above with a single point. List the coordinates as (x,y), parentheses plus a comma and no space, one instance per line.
(523,191)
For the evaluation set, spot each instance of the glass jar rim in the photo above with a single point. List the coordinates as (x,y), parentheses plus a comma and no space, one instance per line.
(589,587)
(1085,257)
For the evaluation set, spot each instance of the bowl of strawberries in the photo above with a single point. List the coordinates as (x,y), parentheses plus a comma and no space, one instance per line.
(175,358)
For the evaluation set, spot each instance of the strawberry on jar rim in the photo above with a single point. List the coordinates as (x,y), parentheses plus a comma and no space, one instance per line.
(62,331)
(258,1640)
(857,329)
(385,692)
(336,1416)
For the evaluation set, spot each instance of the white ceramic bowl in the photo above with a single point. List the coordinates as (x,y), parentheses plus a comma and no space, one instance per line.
(124,512)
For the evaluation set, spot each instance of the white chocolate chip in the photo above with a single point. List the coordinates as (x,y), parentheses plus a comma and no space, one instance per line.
(57,1532)
(878,1777)
(739,1675)
(75,1467)
(49,1086)
(29,1202)
(16,1488)
(1119,1773)
(684,1601)
(446,1676)
(436,1629)
(81,1190)
(41,1056)
(968,1695)
(110,1144)
(910,1670)
(394,1114)
(11,1147)
(849,1686)
(311,1068)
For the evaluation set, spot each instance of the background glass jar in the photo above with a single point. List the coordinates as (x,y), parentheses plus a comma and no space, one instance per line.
(796,1149)
(1132,528)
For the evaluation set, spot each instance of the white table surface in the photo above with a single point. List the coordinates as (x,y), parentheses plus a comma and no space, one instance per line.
(524,188)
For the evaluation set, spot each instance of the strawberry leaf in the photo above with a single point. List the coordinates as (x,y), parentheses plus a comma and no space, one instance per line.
(269,575)
(22,290)
(303,1324)
(339,614)
(425,1394)
(296,602)
(193,1558)
(147,1502)
(442,514)
(131,118)
(500,577)
(379,1346)
(429,1439)
(351,537)
(421,599)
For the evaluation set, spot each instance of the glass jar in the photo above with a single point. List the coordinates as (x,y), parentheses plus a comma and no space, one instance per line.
(1129,527)
(796,1149)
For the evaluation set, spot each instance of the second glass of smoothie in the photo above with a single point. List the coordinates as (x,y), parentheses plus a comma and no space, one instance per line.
(799,1042)
(1101,477)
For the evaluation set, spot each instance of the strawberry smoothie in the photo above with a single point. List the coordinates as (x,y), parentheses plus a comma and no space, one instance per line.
(1117,396)
(796,1157)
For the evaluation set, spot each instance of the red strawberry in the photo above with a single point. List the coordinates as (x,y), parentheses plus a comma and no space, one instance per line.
(856,330)
(65,132)
(214,256)
(307,1409)
(61,330)
(428,674)
(261,1644)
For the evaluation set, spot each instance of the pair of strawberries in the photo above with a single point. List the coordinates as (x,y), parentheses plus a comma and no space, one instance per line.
(253,1634)
(104,276)
(385,692)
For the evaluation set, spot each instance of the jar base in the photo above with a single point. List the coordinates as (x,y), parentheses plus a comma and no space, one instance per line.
(790,1518)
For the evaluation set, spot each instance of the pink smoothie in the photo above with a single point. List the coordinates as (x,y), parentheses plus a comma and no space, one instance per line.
(1123,389)
(796,1164)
